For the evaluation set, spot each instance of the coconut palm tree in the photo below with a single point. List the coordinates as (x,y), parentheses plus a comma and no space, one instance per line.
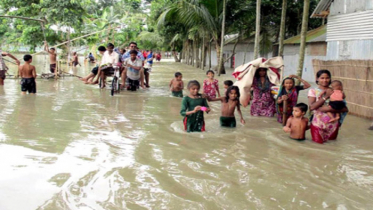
(282,28)
(257,29)
(205,15)
(306,9)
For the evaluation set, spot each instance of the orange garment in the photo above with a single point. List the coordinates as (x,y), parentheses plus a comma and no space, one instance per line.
(337,96)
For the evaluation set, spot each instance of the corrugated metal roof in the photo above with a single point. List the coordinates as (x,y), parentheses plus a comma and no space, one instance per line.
(315,35)
(322,6)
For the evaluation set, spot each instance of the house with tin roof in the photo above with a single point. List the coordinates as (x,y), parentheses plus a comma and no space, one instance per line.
(349,32)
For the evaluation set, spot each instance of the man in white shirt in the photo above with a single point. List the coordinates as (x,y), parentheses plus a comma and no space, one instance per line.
(133,69)
(108,61)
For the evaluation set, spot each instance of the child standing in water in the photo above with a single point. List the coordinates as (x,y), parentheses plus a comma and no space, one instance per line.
(75,59)
(298,124)
(28,74)
(289,92)
(177,85)
(229,103)
(336,100)
(210,85)
(227,84)
(192,108)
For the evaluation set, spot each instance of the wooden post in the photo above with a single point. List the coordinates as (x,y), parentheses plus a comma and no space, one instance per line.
(285,113)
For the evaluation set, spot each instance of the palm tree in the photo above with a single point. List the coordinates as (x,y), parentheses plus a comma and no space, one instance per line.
(205,15)
(306,9)
(257,29)
(282,28)
(221,62)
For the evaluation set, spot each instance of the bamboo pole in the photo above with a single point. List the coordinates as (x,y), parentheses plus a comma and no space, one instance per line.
(77,38)
(284,114)
(24,18)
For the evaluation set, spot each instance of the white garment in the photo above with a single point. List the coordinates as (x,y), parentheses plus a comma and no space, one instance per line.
(131,72)
(2,63)
(245,75)
(112,58)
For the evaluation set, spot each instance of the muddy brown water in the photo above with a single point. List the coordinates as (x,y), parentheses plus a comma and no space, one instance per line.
(73,146)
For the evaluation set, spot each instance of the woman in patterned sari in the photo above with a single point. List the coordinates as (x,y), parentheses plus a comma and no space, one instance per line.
(263,103)
(321,129)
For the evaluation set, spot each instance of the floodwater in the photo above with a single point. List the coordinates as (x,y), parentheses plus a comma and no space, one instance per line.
(73,146)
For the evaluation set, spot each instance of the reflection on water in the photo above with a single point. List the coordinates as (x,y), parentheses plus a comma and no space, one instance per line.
(73,146)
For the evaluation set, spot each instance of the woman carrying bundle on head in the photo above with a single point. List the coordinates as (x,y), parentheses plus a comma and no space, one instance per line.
(263,103)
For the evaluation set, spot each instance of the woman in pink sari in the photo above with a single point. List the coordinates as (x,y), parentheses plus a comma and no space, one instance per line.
(263,103)
(321,129)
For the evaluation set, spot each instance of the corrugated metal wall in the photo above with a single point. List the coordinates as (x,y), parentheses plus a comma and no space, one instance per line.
(339,7)
(355,49)
(354,26)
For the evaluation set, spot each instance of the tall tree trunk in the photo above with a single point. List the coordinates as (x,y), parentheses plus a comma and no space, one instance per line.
(196,52)
(221,69)
(210,54)
(202,66)
(302,50)
(180,56)
(282,28)
(192,52)
(113,36)
(187,56)
(257,29)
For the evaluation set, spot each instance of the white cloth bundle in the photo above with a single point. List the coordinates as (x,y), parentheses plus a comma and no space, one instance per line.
(244,75)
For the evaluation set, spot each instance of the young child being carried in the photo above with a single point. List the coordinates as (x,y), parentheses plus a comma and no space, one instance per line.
(229,103)
(192,108)
(336,100)
(297,124)
(177,85)
(210,85)
(28,74)
(227,84)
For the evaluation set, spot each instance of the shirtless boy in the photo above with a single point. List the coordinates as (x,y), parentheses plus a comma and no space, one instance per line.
(28,74)
(177,85)
(75,59)
(52,57)
(229,103)
(298,124)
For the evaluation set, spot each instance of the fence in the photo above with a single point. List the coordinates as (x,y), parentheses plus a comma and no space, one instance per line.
(357,79)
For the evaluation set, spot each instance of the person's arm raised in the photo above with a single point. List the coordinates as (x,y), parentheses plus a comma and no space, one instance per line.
(11,56)
(306,85)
